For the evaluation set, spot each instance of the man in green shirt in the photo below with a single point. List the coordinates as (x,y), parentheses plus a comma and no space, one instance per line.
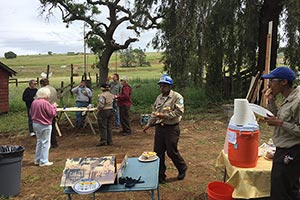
(115,88)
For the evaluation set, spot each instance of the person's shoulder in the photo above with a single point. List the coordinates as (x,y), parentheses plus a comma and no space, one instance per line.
(176,94)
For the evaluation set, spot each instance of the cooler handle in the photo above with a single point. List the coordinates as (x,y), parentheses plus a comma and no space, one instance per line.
(252,132)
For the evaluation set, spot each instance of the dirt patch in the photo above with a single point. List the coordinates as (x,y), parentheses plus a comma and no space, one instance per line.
(200,144)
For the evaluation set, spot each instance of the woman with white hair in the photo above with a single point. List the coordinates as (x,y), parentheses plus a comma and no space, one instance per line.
(42,114)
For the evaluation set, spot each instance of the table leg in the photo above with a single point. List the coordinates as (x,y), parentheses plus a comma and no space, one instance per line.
(225,175)
(95,117)
(57,129)
(69,197)
(69,119)
(90,123)
(152,194)
(158,193)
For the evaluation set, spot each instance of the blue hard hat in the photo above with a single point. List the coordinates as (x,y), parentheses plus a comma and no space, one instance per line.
(165,79)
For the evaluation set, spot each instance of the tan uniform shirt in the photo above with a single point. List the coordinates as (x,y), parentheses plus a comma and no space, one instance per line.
(172,105)
(105,101)
(288,134)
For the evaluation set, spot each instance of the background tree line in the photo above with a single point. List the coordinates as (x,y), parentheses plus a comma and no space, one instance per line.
(212,44)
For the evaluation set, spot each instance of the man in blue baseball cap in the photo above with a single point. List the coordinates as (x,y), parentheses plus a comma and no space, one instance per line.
(285,175)
(281,73)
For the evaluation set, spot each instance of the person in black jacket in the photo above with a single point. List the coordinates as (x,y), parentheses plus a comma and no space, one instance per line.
(28,97)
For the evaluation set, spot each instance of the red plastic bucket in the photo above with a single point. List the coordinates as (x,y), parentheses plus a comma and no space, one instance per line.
(243,147)
(219,191)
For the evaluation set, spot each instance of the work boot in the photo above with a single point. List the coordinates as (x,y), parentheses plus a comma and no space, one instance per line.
(181,175)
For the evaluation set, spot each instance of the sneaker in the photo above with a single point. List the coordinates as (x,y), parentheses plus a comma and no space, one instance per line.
(36,162)
(46,164)
(32,134)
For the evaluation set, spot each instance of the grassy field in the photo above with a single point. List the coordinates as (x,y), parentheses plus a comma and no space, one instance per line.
(60,65)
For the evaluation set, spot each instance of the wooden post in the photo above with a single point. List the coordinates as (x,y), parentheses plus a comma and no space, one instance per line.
(267,63)
(48,71)
(61,91)
(71,79)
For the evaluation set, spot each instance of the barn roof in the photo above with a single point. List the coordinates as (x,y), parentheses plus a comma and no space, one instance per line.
(9,70)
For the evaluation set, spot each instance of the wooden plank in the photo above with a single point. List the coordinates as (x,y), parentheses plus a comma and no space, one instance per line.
(267,63)
(253,87)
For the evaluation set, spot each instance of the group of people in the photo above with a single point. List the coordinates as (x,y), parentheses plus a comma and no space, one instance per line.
(167,112)
(115,99)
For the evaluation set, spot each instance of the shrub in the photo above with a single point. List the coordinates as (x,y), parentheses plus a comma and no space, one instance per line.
(10,55)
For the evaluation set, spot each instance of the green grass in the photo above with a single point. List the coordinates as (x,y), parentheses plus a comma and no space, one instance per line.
(33,65)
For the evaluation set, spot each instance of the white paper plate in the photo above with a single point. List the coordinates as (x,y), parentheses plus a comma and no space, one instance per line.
(142,159)
(260,110)
(86,186)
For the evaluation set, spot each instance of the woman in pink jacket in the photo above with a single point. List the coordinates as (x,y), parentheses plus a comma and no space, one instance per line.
(42,114)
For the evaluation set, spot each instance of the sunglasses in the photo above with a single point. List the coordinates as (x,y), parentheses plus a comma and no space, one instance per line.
(275,79)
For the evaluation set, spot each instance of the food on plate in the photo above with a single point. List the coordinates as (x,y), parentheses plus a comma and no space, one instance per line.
(148,154)
(167,109)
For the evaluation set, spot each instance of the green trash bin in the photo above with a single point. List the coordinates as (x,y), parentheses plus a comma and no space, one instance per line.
(10,170)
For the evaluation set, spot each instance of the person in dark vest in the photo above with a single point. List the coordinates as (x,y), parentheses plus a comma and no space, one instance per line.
(28,97)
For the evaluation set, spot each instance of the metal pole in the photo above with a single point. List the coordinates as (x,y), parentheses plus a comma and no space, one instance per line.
(84,49)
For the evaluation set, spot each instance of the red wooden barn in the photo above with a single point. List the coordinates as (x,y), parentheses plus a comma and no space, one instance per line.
(5,73)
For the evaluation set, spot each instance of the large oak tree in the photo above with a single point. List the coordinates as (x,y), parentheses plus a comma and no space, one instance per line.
(101,36)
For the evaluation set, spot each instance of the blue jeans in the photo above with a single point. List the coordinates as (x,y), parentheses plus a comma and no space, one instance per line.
(43,139)
(116,113)
(79,118)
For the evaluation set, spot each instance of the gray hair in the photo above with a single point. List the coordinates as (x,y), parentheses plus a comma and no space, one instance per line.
(31,81)
(43,93)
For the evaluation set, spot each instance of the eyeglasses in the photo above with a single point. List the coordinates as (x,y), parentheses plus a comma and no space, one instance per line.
(275,79)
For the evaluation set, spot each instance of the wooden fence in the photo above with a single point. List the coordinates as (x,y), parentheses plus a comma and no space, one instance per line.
(61,91)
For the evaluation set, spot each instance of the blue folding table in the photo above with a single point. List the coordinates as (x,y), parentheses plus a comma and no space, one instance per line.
(148,172)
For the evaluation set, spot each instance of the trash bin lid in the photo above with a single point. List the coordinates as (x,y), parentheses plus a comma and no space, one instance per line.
(11,151)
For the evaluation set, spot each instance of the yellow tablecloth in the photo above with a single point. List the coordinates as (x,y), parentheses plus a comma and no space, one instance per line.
(248,182)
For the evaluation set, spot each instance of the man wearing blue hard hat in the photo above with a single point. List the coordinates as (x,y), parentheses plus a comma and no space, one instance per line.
(167,113)
(285,175)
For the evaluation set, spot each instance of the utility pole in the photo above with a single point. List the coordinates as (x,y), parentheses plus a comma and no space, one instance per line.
(84,51)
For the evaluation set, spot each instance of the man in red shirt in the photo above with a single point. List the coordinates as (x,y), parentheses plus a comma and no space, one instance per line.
(124,103)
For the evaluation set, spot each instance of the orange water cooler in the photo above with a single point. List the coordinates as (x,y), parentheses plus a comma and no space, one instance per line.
(243,145)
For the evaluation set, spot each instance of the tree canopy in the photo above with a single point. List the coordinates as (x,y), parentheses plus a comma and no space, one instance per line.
(223,43)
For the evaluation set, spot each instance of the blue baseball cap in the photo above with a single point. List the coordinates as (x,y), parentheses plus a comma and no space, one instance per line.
(281,73)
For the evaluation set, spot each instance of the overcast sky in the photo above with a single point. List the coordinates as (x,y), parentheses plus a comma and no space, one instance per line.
(25,32)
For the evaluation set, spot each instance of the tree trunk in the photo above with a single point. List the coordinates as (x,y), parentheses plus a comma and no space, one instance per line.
(103,65)
(269,12)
